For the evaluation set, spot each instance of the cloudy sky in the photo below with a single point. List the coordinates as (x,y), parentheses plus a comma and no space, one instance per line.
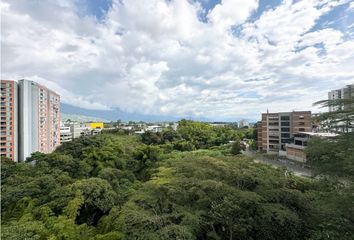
(205,58)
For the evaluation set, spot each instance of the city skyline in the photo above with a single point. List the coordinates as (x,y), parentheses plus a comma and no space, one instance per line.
(199,59)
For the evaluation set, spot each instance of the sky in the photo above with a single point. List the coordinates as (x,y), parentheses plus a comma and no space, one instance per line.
(220,60)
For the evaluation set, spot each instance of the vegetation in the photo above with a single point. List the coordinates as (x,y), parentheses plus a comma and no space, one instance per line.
(335,156)
(180,184)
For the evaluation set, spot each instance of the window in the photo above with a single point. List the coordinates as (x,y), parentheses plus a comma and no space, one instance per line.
(285,118)
(301,129)
(285,124)
(285,135)
(301,124)
(274,137)
(301,117)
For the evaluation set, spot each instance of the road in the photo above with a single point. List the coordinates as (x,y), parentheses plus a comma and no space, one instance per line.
(295,167)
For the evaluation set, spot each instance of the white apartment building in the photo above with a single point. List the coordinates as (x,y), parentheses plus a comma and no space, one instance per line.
(65,134)
(39,119)
(343,93)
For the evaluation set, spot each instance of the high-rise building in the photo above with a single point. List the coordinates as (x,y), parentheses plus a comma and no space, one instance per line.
(39,119)
(8,124)
(275,130)
(348,93)
(334,95)
(343,93)
(243,124)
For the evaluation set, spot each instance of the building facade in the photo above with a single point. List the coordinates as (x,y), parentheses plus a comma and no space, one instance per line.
(79,129)
(275,130)
(243,124)
(296,150)
(96,125)
(9,120)
(65,134)
(343,93)
(39,119)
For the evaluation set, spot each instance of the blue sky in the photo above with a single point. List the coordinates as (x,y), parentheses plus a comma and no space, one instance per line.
(220,60)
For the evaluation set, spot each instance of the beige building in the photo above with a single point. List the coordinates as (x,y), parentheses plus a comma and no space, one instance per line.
(275,130)
(8,124)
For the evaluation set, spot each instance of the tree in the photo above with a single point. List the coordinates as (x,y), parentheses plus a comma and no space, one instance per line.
(334,156)
(342,118)
(236,147)
(98,199)
(113,186)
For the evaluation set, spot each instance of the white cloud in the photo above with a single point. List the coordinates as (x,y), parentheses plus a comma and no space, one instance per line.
(158,57)
(231,12)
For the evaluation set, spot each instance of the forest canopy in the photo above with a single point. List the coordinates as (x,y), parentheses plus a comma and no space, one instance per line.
(183,184)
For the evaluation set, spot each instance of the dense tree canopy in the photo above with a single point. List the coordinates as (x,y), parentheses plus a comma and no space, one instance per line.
(184,185)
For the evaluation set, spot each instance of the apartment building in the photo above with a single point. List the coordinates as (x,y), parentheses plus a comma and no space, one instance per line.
(9,121)
(243,124)
(65,134)
(39,119)
(343,93)
(275,130)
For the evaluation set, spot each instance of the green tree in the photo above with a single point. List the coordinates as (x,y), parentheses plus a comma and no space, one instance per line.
(236,147)
(98,197)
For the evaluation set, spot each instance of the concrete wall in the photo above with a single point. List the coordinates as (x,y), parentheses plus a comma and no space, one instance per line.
(296,153)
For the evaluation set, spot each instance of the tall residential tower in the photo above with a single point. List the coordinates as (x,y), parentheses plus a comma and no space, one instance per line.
(343,93)
(8,124)
(39,119)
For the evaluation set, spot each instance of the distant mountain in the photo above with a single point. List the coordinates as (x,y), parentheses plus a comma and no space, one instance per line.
(117,114)
(81,118)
